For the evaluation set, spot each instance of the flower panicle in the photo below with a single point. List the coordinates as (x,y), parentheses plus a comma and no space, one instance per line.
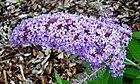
(99,41)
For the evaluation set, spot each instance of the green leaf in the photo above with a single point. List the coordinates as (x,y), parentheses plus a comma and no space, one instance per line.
(101,0)
(85,64)
(95,81)
(134,48)
(58,78)
(115,80)
(73,56)
(132,73)
(101,74)
(106,78)
(138,77)
(76,76)
(102,78)
(88,71)
(129,55)
(136,34)
(136,81)
(66,82)
(90,82)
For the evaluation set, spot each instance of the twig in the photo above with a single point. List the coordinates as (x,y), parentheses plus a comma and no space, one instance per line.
(4,60)
(43,68)
(44,64)
(5,77)
(22,73)
(46,59)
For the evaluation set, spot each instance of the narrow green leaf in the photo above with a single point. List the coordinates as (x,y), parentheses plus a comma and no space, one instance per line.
(66,82)
(73,56)
(134,48)
(136,34)
(132,73)
(101,0)
(58,78)
(136,81)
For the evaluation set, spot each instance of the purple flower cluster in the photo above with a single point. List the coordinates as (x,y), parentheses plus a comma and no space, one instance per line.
(100,41)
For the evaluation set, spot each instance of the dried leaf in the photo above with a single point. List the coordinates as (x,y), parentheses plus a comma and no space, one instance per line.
(44,80)
(27,54)
(72,64)
(61,56)
(20,77)
(34,52)
(23,16)
(74,71)
(50,68)
(12,1)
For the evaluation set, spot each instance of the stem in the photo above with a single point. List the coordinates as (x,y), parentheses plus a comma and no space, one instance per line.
(91,75)
(129,62)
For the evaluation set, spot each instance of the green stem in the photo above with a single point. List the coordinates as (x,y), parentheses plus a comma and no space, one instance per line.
(94,73)
(129,62)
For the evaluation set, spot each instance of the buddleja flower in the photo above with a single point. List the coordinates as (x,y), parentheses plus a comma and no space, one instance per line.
(100,41)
